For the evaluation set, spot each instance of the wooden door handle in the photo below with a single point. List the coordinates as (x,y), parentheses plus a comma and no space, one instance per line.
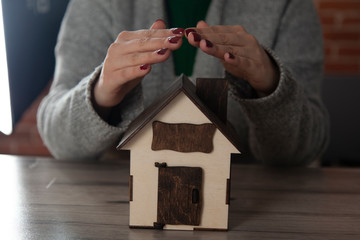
(195,195)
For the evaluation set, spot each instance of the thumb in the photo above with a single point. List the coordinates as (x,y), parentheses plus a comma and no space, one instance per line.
(158,24)
(202,24)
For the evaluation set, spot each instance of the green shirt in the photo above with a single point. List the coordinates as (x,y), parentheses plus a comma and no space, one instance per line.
(185,14)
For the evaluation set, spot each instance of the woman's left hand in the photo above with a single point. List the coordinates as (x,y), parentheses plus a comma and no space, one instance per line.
(240,53)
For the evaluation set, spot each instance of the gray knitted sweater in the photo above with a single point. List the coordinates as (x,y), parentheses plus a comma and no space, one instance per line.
(288,127)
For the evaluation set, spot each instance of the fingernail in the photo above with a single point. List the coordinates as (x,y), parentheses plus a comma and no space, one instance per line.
(144,66)
(197,37)
(161,51)
(189,30)
(177,30)
(174,39)
(208,43)
(231,56)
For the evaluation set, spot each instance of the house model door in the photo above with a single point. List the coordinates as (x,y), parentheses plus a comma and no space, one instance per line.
(179,196)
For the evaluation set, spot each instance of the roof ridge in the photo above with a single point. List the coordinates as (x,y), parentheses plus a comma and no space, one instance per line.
(182,84)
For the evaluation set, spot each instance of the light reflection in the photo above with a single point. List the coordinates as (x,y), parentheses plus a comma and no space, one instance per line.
(10,200)
(5,107)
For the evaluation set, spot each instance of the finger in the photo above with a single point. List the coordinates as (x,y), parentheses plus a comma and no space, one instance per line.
(221,29)
(204,31)
(152,44)
(220,51)
(138,58)
(128,74)
(158,24)
(253,72)
(122,76)
(119,83)
(226,35)
(239,63)
(148,33)
(145,45)
(194,39)
(236,61)
(202,24)
(238,66)
(224,39)
(235,39)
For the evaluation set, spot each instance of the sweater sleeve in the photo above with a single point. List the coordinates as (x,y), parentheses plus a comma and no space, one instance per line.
(67,121)
(290,126)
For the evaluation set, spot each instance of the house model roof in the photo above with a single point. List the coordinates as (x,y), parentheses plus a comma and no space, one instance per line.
(182,84)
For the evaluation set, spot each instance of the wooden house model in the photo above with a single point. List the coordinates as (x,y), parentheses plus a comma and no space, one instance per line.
(180,153)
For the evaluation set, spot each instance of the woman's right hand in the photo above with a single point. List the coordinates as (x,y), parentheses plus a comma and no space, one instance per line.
(129,59)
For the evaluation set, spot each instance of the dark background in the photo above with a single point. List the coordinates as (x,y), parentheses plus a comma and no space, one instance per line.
(31,28)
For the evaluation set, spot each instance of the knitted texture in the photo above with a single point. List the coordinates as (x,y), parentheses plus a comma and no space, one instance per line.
(288,127)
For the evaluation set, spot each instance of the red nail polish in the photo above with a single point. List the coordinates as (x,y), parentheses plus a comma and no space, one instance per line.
(208,43)
(189,30)
(144,66)
(231,56)
(177,30)
(174,39)
(197,37)
(161,51)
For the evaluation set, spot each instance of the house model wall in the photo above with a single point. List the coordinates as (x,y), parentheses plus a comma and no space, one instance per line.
(149,204)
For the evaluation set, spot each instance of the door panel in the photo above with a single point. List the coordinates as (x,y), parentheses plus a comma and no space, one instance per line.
(179,195)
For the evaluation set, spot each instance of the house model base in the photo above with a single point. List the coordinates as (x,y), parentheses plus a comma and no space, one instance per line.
(180,153)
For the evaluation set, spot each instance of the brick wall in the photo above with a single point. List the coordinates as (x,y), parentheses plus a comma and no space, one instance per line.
(341,27)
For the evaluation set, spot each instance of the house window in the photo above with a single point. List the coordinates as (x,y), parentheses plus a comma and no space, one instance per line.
(183,137)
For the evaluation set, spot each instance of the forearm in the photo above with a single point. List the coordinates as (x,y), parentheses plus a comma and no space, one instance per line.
(288,127)
(70,127)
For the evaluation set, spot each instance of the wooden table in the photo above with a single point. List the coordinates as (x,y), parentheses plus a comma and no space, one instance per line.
(51,199)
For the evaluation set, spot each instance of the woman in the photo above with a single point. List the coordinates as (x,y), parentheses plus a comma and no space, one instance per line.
(270,51)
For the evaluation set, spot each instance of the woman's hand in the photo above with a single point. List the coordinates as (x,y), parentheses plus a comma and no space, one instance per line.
(239,52)
(129,59)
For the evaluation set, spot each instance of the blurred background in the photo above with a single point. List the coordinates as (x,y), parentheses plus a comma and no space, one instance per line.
(31,65)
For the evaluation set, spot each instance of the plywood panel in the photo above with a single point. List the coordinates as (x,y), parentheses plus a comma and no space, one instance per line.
(216,169)
(179,195)
(183,137)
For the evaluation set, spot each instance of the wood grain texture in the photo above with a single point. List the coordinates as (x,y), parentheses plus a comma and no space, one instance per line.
(179,196)
(216,166)
(183,137)
(131,188)
(181,86)
(214,92)
(228,187)
(89,200)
